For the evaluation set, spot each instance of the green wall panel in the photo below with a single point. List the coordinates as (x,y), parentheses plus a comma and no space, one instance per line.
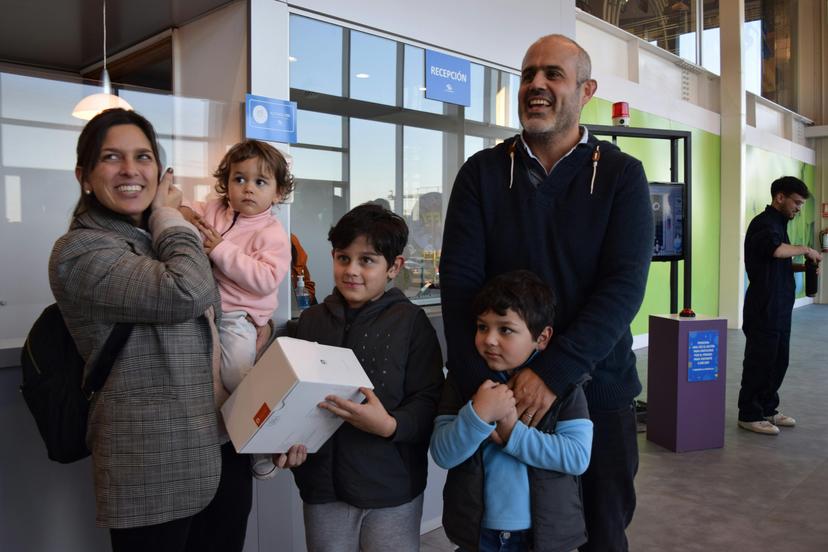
(655,155)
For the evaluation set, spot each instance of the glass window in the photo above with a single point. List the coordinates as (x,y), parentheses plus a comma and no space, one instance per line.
(319,129)
(350,152)
(414,82)
(473,144)
(477,109)
(777,20)
(373,71)
(422,206)
(753,56)
(316,164)
(315,56)
(506,99)
(514,87)
(668,24)
(373,162)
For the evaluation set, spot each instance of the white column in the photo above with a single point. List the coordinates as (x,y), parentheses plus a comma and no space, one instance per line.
(269,75)
(731,256)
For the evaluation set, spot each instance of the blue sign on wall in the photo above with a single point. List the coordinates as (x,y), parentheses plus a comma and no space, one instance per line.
(447,78)
(269,119)
(703,355)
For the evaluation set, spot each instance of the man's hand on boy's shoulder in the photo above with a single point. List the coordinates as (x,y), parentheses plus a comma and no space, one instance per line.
(493,401)
(369,416)
(534,398)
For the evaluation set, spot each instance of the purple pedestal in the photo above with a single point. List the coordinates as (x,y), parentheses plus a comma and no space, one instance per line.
(686,382)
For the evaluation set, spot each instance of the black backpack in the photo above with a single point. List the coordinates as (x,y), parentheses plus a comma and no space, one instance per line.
(53,385)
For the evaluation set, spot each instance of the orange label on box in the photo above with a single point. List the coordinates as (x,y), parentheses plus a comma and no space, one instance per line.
(261,415)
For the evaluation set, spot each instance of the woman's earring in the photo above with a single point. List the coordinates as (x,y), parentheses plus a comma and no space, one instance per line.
(87,191)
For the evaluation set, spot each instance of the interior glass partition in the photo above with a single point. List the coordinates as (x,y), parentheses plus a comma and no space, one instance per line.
(376,137)
(37,173)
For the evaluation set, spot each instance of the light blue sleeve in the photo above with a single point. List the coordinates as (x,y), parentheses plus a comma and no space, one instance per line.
(456,438)
(567,450)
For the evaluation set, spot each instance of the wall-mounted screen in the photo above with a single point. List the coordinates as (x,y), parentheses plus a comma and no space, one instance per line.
(667,200)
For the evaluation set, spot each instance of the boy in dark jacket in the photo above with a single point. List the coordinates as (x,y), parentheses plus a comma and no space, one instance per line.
(509,485)
(364,488)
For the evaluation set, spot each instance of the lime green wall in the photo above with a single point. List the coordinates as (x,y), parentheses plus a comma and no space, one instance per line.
(655,155)
(763,167)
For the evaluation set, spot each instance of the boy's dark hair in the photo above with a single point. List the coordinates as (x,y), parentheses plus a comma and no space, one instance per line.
(386,231)
(523,292)
(271,161)
(789,185)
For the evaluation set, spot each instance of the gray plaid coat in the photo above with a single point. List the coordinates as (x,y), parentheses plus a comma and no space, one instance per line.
(153,428)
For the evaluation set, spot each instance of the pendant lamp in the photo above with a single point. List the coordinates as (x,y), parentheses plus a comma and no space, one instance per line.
(95,103)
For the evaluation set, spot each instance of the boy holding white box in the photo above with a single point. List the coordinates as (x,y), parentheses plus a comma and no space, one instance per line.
(363,489)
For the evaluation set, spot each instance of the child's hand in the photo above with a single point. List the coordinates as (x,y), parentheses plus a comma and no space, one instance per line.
(188,214)
(493,401)
(211,236)
(494,437)
(295,456)
(369,416)
(504,427)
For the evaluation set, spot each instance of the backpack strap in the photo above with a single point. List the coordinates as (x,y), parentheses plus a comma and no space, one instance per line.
(111,349)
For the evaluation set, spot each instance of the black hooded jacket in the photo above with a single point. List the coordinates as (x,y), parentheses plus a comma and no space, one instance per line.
(398,348)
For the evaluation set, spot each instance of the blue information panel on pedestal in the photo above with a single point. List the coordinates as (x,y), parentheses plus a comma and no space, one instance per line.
(269,119)
(447,78)
(703,355)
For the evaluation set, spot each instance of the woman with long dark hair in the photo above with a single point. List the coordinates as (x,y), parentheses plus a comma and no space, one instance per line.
(163,481)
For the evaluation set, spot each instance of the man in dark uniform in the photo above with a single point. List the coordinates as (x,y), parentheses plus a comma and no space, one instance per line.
(768,304)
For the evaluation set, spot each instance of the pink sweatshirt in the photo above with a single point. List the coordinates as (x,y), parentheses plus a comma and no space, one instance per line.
(250,262)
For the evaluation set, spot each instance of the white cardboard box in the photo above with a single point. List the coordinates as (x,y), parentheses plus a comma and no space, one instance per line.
(275,406)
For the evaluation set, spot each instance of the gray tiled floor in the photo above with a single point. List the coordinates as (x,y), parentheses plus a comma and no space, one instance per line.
(758,492)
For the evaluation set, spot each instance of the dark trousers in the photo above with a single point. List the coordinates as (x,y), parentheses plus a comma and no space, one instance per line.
(220,527)
(764,368)
(609,493)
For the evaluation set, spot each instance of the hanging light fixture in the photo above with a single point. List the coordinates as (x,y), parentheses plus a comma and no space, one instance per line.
(94,104)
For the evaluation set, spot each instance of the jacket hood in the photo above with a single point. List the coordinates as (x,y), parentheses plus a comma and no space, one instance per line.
(336,304)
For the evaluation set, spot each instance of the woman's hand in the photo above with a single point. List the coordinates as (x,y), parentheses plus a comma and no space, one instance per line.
(369,416)
(167,194)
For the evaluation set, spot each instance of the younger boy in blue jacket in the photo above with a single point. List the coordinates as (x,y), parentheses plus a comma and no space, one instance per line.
(510,486)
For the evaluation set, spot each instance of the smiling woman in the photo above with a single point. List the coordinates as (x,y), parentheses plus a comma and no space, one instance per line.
(118,166)
(130,257)
(125,177)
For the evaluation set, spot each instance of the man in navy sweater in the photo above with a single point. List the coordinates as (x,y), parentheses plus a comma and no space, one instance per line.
(576,211)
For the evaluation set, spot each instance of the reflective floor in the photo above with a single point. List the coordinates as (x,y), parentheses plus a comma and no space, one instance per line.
(757,493)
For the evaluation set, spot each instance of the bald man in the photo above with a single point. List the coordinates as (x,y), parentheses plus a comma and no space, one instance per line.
(576,211)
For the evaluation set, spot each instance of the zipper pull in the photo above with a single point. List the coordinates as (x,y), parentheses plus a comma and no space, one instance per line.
(512,164)
(596,155)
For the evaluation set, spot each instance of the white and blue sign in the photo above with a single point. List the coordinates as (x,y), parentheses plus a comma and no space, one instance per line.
(703,355)
(269,119)
(447,78)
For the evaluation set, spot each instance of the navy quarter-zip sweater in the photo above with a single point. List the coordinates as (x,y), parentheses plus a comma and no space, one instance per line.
(591,241)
